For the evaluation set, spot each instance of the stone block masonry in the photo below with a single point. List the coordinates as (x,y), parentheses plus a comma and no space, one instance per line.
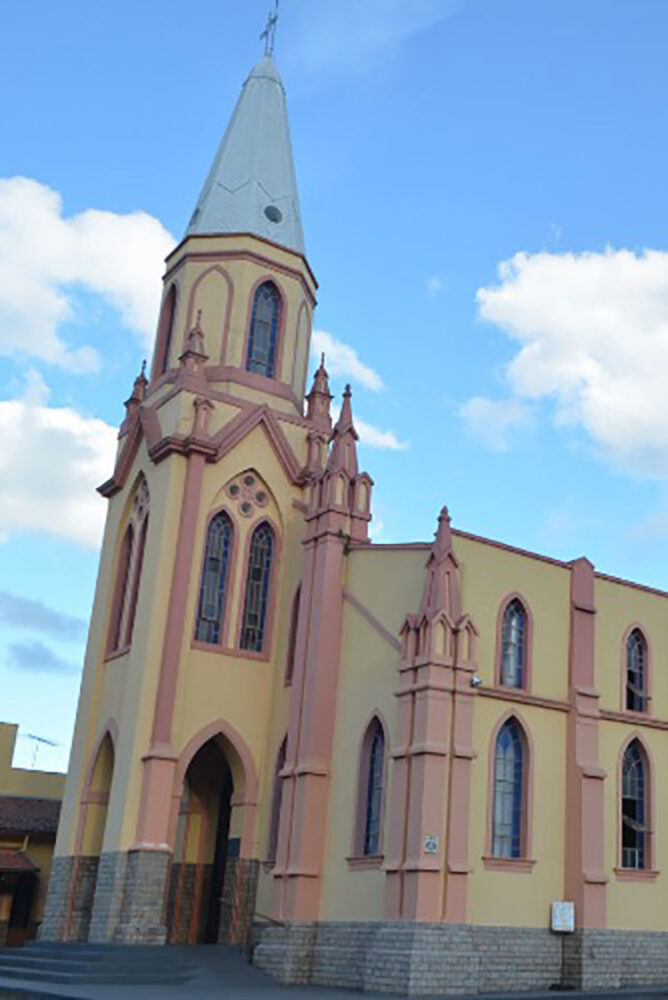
(142,915)
(69,901)
(428,959)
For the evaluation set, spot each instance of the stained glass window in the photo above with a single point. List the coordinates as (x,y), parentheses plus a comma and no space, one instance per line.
(634,808)
(513,643)
(257,588)
(508,791)
(214,578)
(374,791)
(635,671)
(263,331)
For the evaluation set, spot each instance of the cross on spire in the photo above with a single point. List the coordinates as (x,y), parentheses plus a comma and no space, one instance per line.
(269,33)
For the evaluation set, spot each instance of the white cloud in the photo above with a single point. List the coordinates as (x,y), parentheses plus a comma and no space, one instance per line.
(349,35)
(45,257)
(342,360)
(493,421)
(434,286)
(50,463)
(592,330)
(375,438)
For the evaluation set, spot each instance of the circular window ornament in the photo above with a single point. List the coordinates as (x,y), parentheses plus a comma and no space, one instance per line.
(233,490)
(249,481)
(274,214)
(246,508)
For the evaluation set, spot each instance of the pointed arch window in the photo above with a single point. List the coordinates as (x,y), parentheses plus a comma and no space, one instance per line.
(508,803)
(374,790)
(276,801)
(635,808)
(263,331)
(514,645)
(128,572)
(636,672)
(258,579)
(214,579)
(165,332)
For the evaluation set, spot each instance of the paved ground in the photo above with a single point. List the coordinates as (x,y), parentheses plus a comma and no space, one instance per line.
(225,975)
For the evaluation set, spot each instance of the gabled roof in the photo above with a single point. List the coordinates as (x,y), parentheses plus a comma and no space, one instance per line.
(251,187)
(23,815)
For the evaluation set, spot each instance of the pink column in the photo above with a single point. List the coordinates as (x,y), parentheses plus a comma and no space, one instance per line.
(585,877)
(395,852)
(160,762)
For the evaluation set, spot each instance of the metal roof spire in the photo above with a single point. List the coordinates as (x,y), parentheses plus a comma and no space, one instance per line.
(269,33)
(251,187)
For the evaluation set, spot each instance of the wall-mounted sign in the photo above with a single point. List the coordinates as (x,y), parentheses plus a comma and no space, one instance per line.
(563,917)
(430,843)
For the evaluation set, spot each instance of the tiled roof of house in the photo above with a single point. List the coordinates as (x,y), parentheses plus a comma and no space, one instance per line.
(23,815)
(16,861)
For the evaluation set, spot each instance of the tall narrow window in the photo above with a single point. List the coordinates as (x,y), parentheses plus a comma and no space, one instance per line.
(292,638)
(276,801)
(513,645)
(374,789)
(214,579)
(136,579)
(258,578)
(120,591)
(164,342)
(264,330)
(635,835)
(636,658)
(507,833)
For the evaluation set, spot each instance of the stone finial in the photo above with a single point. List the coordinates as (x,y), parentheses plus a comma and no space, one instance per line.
(138,394)
(319,398)
(343,454)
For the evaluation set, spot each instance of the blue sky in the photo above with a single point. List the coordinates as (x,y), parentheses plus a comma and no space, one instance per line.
(483,194)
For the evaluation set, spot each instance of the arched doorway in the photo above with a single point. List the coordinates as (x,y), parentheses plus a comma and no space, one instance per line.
(90,838)
(201,847)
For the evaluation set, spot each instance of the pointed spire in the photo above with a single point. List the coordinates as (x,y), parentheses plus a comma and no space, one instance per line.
(441,588)
(251,187)
(320,398)
(194,357)
(138,394)
(344,439)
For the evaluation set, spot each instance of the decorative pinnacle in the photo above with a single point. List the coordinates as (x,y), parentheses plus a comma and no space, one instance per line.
(143,368)
(269,33)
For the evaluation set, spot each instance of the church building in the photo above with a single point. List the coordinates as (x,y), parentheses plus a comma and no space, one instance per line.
(370,765)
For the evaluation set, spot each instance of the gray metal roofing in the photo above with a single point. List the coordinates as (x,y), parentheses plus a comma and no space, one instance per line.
(251,187)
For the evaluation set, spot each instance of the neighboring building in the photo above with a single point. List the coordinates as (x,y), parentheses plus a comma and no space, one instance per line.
(29,811)
(393,758)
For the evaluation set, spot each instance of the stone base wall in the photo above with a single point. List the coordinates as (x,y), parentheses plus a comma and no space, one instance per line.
(238,901)
(69,900)
(423,959)
(110,885)
(141,919)
(189,886)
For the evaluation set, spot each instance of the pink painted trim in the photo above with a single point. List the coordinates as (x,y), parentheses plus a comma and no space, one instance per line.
(650,799)
(635,718)
(121,587)
(303,309)
(647,692)
(528,642)
(110,729)
(280,332)
(522,698)
(521,866)
(190,313)
(631,583)
(165,334)
(526,829)
(244,255)
(245,422)
(116,655)
(246,796)
(276,796)
(363,761)
(261,383)
(265,652)
(365,862)
(178,601)
(636,875)
(371,619)
(292,638)
(229,580)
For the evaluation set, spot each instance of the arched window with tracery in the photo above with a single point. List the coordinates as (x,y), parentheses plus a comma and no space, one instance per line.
(258,580)
(292,638)
(368,828)
(514,645)
(635,846)
(128,572)
(263,333)
(509,805)
(636,671)
(214,579)
(277,795)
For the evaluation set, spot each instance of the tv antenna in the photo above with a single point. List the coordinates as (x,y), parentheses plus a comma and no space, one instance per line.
(37,742)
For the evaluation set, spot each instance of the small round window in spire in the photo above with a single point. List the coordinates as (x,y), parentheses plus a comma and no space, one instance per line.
(273,213)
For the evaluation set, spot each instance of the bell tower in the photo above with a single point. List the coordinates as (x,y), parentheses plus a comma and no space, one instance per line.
(211,504)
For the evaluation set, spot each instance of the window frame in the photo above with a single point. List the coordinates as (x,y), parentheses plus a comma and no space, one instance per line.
(528,643)
(358,858)
(128,558)
(525,862)
(265,652)
(648,872)
(229,580)
(647,686)
(280,330)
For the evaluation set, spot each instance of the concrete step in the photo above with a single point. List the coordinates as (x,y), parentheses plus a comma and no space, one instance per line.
(101,964)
